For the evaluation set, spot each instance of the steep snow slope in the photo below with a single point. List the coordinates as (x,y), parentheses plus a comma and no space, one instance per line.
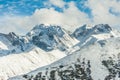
(17,64)
(98,61)
(4,42)
(3,46)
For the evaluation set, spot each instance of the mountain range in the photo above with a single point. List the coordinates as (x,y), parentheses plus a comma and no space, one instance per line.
(49,52)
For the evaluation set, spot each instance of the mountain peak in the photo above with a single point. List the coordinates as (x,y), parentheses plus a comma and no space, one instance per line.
(46,29)
(49,37)
(97,29)
(102,28)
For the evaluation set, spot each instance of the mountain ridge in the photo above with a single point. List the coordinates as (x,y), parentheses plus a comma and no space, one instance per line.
(52,42)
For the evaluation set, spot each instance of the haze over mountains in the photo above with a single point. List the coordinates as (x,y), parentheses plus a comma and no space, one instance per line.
(49,47)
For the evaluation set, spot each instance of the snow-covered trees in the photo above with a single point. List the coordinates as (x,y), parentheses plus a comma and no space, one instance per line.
(79,70)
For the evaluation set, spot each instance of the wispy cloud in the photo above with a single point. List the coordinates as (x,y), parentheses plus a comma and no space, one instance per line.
(58,3)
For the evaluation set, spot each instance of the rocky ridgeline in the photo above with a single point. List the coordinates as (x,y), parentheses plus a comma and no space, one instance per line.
(74,71)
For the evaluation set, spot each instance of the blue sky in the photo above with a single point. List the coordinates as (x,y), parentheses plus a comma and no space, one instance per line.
(20,7)
(22,15)
(28,7)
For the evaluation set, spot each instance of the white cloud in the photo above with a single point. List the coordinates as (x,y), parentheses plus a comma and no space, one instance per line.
(69,19)
(100,11)
(71,16)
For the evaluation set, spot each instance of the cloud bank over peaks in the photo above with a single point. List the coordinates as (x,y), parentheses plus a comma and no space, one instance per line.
(70,18)
(102,11)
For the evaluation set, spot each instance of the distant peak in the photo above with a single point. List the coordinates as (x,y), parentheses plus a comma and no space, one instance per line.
(46,29)
(12,33)
(44,26)
(102,28)
(86,30)
(39,26)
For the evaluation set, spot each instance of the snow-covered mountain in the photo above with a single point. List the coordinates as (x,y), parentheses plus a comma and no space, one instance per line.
(47,38)
(39,47)
(51,37)
(94,62)
(45,44)
(89,34)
